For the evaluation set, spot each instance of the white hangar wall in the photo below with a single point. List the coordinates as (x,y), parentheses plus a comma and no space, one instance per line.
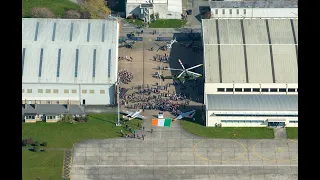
(251,110)
(77,93)
(251,13)
(249,121)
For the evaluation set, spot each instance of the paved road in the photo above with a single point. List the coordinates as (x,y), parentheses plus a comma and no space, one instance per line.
(128,29)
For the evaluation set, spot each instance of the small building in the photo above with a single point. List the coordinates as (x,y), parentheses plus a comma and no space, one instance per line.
(49,112)
(29,113)
(244,110)
(145,9)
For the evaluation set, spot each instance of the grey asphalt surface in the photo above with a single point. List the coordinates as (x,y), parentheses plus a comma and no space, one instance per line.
(172,153)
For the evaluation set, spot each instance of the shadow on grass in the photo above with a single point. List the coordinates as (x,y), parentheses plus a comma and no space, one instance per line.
(197,121)
(39,150)
(111,122)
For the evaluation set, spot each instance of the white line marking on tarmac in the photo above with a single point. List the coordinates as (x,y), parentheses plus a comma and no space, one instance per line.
(191,165)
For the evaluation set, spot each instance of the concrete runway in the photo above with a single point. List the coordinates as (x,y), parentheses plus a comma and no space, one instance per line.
(172,153)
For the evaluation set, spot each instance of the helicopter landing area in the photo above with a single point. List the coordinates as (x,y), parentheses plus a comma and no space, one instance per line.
(143,66)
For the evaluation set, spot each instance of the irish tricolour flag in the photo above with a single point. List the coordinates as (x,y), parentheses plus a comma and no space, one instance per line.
(162,122)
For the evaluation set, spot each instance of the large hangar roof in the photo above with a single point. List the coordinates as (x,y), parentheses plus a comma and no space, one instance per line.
(73,51)
(250,50)
(252,102)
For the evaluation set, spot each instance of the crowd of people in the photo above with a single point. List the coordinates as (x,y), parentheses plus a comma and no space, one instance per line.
(125,76)
(153,98)
(161,58)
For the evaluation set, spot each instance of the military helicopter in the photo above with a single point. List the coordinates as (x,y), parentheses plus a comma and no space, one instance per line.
(124,43)
(185,75)
(167,46)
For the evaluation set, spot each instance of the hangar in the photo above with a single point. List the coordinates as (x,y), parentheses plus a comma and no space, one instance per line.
(250,57)
(69,60)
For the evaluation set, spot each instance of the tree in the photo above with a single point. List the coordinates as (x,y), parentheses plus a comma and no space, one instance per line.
(41,13)
(72,14)
(157,16)
(67,118)
(35,148)
(44,144)
(84,15)
(28,141)
(96,8)
(152,17)
(81,119)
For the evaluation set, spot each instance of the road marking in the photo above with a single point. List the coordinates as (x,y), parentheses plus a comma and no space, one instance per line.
(294,158)
(191,165)
(204,158)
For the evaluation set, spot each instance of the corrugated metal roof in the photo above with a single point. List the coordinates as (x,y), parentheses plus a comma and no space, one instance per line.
(212,73)
(281,31)
(209,31)
(69,35)
(255,31)
(259,64)
(53,109)
(230,32)
(295,26)
(224,47)
(252,102)
(233,64)
(285,63)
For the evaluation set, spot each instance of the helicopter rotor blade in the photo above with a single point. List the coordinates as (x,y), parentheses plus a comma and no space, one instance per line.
(180,74)
(181,64)
(174,69)
(194,67)
(195,74)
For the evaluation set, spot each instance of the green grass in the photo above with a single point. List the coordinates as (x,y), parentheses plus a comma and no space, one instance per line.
(197,128)
(292,132)
(167,23)
(58,7)
(63,135)
(44,165)
(137,22)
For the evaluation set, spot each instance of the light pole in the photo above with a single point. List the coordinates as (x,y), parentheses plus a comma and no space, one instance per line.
(118,101)
(160,73)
